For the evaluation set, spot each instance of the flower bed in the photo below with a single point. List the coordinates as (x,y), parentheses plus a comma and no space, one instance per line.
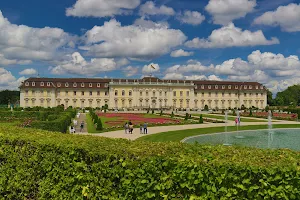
(284,116)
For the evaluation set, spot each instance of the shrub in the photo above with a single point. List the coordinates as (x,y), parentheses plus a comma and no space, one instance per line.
(201,119)
(52,117)
(99,125)
(250,114)
(161,113)
(172,114)
(102,168)
(187,116)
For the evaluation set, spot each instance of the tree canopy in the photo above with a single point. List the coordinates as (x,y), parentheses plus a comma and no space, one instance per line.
(7,96)
(288,97)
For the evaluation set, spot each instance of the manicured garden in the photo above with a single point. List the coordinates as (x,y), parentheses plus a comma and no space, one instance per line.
(37,164)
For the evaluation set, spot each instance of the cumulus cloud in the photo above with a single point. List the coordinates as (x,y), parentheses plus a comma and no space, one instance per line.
(4,61)
(101,8)
(191,17)
(151,68)
(231,36)
(190,67)
(287,17)
(225,11)
(78,65)
(173,76)
(130,71)
(28,72)
(22,43)
(142,22)
(149,8)
(8,81)
(181,53)
(191,77)
(114,40)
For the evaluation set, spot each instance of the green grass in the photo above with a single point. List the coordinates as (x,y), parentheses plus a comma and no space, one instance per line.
(231,118)
(177,136)
(90,125)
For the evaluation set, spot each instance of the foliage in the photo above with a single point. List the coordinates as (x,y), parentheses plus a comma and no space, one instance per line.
(7,96)
(33,165)
(161,113)
(290,96)
(270,100)
(201,119)
(99,125)
(243,107)
(250,114)
(172,114)
(187,116)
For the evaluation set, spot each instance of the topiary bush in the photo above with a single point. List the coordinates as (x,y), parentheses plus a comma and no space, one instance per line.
(99,125)
(34,162)
(201,119)
(172,114)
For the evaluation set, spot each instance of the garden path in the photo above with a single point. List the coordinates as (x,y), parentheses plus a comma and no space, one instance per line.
(81,118)
(154,130)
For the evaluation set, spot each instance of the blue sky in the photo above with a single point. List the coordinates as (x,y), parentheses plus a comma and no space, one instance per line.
(239,40)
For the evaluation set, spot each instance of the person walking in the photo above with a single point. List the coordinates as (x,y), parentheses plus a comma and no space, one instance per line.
(141,128)
(126,127)
(145,128)
(130,127)
(81,126)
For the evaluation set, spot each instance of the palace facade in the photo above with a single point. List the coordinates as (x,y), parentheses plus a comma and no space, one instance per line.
(149,92)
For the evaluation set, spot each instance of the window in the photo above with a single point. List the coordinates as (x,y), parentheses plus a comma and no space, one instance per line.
(33,92)
(223,86)
(106,85)
(82,93)
(195,94)
(147,93)
(256,94)
(236,94)
(174,93)
(154,93)
(181,93)
(216,94)
(141,93)
(74,84)
(48,93)
(58,84)
(223,94)
(209,94)
(58,93)
(48,84)
(160,93)
(245,94)
(98,93)
(202,86)
(256,87)
(261,87)
(245,86)
(67,93)
(130,93)
(216,86)
(166,93)
(116,92)
(90,85)
(67,84)
(106,93)
(250,86)
(33,83)
(187,93)
(202,94)
(98,85)
(42,84)
(74,93)
(209,87)
(27,84)
(82,84)
(262,94)
(91,93)
(229,94)
(123,93)
(229,86)
(250,94)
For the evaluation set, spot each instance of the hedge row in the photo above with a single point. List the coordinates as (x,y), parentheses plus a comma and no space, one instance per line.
(46,165)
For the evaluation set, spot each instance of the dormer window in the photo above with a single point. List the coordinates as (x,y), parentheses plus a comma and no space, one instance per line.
(202,86)
(229,86)
(48,83)
(33,83)
(245,86)
(74,84)
(67,84)
(58,84)
(209,87)
(256,87)
(236,87)
(250,87)
(90,85)
(106,85)
(82,84)
(42,84)
(27,84)
(261,87)
(216,86)
(223,86)
(98,85)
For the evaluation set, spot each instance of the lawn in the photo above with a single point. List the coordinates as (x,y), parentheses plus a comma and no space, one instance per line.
(177,136)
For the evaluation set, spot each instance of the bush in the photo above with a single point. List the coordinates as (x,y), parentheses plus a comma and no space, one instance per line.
(250,114)
(201,119)
(187,116)
(100,168)
(99,125)
(52,117)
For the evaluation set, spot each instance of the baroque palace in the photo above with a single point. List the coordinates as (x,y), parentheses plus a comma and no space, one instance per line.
(149,92)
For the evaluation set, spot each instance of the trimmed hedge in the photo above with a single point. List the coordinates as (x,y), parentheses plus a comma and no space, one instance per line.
(45,165)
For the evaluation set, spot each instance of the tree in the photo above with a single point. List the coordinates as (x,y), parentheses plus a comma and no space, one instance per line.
(152,112)
(270,100)
(99,125)
(172,115)
(187,116)
(201,119)
(7,96)
(250,114)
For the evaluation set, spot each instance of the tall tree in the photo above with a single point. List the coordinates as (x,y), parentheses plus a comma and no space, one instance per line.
(7,96)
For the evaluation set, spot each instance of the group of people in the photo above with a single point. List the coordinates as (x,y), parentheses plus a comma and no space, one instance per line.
(72,127)
(129,128)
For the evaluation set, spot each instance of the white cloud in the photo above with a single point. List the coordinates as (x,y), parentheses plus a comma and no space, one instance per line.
(101,8)
(181,53)
(191,17)
(148,69)
(142,22)
(191,77)
(231,36)
(4,61)
(28,72)
(173,76)
(130,71)
(23,43)
(114,40)
(189,68)
(8,81)
(225,11)
(149,8)
(287,17)
(233,67)
(78,65)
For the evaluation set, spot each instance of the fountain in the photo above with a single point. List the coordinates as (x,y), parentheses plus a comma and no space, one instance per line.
(270,132)
(238,124)
(226,135)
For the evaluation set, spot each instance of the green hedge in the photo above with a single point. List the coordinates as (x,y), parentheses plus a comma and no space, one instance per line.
(46,165)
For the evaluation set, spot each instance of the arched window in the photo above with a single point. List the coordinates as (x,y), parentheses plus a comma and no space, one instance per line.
(123,92)
(130,93)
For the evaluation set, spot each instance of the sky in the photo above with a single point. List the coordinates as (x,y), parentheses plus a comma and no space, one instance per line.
(235,40)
